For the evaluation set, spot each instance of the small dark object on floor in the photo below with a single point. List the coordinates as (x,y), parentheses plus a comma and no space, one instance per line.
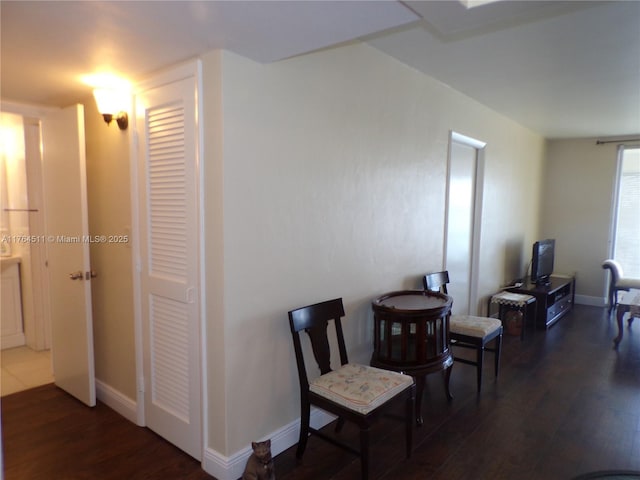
(260,463)
(610,475)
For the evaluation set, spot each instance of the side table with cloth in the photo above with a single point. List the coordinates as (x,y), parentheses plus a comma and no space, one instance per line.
(519,302)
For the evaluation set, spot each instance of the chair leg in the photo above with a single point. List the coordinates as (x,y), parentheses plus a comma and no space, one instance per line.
(480,365)
(364,452)
(408,420)
(419,392)
(447,378)
(612,298)
(305,412)
(497,354)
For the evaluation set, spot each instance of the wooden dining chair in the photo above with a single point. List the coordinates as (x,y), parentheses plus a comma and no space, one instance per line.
(468,331)
(352,392)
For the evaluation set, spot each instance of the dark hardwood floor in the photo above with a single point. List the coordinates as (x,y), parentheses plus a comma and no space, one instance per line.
(566,403)
(49,435)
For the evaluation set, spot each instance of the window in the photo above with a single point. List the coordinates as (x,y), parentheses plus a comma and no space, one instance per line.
(626,241)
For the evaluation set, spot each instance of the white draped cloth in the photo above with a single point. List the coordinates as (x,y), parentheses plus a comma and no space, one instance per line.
(512,299)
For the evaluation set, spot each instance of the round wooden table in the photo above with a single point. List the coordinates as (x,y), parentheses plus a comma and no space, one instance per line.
(411,335)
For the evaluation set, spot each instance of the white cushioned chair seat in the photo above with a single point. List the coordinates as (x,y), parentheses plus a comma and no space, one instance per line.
(628,283)
(359,387)
(618,275)
(473,326)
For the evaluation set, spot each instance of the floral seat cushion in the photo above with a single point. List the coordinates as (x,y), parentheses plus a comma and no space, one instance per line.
(359,387)
(473,326)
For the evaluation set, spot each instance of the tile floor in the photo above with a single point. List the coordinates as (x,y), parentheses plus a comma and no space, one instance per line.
(23,368)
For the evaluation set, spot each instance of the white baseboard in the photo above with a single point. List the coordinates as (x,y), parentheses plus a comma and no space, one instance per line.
(13,340)
(591,301)
(119,402)
(232,467)
(213,462)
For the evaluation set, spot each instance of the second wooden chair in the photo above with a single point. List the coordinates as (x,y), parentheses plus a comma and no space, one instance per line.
(469,331)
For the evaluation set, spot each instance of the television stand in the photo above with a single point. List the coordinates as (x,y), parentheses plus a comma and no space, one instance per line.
(553,301)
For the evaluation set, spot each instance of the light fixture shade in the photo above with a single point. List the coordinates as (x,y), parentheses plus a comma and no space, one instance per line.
(111,101)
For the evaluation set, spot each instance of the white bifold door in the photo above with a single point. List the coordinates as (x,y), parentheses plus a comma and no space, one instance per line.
(169,261)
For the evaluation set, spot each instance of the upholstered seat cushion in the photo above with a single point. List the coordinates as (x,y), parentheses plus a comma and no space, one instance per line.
(628,283)
(473,326)
(617,275)
(359,387)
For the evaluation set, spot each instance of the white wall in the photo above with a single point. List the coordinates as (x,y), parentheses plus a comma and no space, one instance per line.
(213,224)
(109,202)
(577,206)
(332,169)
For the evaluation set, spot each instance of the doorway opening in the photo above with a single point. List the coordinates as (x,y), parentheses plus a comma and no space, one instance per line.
(465,173)
(26,336)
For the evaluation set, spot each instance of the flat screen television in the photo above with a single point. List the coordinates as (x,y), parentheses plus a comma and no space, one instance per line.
(542,261)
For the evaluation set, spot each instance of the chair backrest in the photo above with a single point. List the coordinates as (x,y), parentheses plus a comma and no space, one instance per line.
(314,319)
(436,281)
(615,268)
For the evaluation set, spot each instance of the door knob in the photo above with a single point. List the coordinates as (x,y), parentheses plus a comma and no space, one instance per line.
(76,275)
(90,275)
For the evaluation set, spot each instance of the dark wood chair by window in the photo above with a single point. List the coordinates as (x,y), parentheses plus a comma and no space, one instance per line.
(617,281)
(469,331)
(352,392)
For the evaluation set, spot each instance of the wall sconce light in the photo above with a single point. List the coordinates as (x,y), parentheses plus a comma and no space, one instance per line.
(113,104)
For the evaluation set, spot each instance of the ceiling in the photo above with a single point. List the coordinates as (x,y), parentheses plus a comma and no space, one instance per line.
(562,68)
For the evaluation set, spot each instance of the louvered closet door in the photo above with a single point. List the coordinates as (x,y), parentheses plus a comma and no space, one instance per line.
(169,253)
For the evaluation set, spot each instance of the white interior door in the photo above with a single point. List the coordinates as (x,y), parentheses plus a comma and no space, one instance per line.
(462,222)
(169,246)
(67,230)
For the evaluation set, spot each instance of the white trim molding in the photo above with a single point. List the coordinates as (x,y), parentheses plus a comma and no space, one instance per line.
(117,401)
(465,140)
(590,301)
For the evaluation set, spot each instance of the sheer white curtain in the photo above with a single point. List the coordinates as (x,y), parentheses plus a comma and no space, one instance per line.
(626,242)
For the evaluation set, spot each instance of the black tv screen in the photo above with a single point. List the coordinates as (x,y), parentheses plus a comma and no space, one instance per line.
(542,261)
